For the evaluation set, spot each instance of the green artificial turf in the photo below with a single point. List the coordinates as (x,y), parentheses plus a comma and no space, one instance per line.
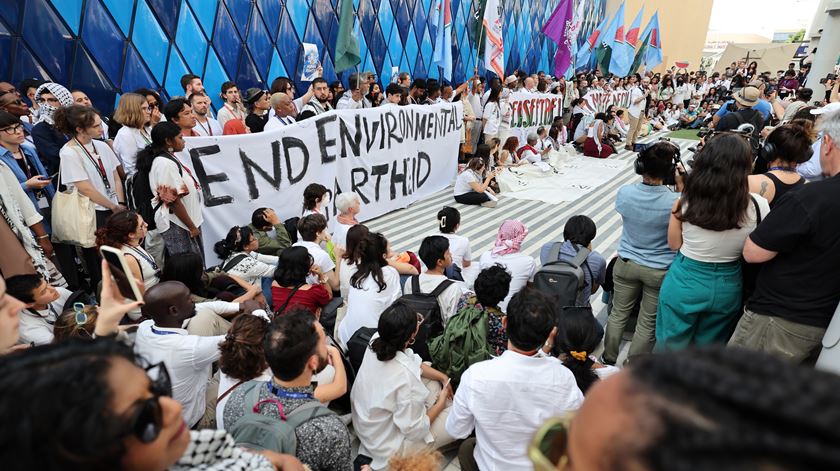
(685,134)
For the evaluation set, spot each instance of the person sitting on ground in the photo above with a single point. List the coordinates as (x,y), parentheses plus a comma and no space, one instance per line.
(43,305)
(271,234)
(744,113)
(449,221)
(238,252)
(125,231)
(596,143)
(786,147)
(507,252)
(620,127)
(507,155)
(188,268)
(243,359)
(700,298)
(293,285)
(400,404)
(667,412)
(347,263)
(578,233)
(520,383)
(435,255)
(643,252)
(373,287)
(316,199)
(78,322)
(543,142)
(348,206)
(578,336)
(797,289)
(295,350)
(469,191)
(688,116)
(491,287)
(529,153)
(313,232)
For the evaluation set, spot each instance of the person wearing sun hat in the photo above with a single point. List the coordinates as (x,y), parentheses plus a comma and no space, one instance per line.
(258,105)
(745,112)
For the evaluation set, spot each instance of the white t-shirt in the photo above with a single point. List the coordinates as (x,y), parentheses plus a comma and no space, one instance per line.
(165,173)
(448,300)
(462,183)
(493,114)
(38,327)
(322,258)
(345,272)
(127,143)
(225,383)
(76,166)
(708,246)
(365,305)
(210,128)
(277,122)
(530,156)
(636,109)
(520,266)
(339,235)
(459,247)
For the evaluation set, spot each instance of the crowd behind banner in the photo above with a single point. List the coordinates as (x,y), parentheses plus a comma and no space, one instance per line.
(243,315)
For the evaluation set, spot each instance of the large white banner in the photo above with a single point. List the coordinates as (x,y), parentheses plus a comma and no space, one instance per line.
(390,156)
(530,111)
(599,101)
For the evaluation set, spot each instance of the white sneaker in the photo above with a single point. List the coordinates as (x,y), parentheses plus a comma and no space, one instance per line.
(490,204)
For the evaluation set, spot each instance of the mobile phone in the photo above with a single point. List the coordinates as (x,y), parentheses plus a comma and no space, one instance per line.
(121,273)
(53,175)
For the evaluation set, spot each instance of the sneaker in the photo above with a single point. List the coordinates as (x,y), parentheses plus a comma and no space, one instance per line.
(490,204)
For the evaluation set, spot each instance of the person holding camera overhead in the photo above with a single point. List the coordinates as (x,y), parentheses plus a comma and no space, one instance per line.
(701,294)
(643,252)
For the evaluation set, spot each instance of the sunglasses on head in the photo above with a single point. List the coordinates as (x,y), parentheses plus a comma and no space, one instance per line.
(147,418)
(548,450)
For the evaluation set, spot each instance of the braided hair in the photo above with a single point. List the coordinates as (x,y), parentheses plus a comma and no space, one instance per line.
(731,409)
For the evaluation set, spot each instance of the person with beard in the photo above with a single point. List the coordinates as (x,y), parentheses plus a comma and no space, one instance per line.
(321,103)
(188,358)
(205,125)
(295,350)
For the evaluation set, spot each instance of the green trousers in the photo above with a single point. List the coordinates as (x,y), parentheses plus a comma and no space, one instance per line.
(699,303)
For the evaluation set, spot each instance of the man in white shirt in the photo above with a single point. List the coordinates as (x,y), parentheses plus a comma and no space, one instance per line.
(435,255)
(204,124)
(354,96)
(638,98)
(313,231)
(284,112)
(506,399)
(44,304)
(188,358)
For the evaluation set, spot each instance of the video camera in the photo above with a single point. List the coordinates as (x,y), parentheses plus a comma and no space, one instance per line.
(827,78)
(641,148)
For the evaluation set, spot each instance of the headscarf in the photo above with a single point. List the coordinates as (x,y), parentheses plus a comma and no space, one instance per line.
(509,239)
(63,95)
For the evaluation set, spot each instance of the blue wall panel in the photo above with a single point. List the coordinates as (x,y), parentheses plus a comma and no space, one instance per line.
(109,47)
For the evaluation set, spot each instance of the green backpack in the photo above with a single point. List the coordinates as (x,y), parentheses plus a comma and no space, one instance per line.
(463,342)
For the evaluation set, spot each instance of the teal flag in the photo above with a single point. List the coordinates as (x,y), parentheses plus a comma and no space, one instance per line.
(347,52)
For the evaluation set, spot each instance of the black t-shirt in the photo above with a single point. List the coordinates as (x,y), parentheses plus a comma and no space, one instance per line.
(730,122)
(255,122)
(802,283)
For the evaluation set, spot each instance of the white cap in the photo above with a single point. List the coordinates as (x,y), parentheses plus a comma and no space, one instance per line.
(829,108)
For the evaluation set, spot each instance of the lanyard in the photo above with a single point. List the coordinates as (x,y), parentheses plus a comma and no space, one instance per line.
(237,115)
(282,120)
(186,169)
(52,310)
(26,168)
(164,332)
(784,169)
(145,255)
(100,167)
(287,394)
(145,136)
(208,129)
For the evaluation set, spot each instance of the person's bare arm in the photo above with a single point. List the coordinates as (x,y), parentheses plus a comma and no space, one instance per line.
(332,391)
(86,188)
(675,239)
(753,253)
(180,211)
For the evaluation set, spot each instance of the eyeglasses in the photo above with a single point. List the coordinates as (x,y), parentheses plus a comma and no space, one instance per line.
(548,450)
(13,129)
(147,419)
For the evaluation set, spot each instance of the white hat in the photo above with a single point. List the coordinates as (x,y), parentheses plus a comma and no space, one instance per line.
(829,108)
(511,79)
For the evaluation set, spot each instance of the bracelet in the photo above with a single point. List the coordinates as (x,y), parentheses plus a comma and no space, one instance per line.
(45,236)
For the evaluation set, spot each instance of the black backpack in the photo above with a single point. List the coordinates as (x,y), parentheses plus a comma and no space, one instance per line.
(426,304)
(563,280)
(139,194)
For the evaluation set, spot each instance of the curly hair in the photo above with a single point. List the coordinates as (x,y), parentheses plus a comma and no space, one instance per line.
(36,388)
(117,228)
(727,409)
(492,285)
(242,355)
(428,460)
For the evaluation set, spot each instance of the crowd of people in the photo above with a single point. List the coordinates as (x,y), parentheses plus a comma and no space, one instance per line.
(311,334)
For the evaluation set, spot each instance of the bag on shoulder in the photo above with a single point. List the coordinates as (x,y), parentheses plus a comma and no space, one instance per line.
(564,280)
(357,345)
(262,432)
(463,343)
(73,218)
(426,304)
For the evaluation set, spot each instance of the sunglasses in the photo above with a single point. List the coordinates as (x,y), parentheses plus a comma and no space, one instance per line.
(147,419)
(548,450)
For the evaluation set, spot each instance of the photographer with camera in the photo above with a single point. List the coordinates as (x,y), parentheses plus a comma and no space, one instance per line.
(643,252)
(746,101)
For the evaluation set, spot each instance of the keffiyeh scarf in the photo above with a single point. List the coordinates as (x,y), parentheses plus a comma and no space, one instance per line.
(63,95)
(215,450)
(509,238)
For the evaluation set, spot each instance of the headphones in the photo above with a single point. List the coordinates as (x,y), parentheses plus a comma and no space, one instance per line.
(769,152)
(644,155)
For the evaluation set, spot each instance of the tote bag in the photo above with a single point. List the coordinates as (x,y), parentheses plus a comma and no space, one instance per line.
(73,217)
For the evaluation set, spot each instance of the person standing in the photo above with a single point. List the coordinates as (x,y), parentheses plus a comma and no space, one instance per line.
(232,104)
(135,115)
(638,99)
(258,103)
(205,125)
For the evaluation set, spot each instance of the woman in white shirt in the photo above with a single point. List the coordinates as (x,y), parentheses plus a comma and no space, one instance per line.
(469,189)
(348,205)
(507,252)
(135,115)
(492,115)
(240,258)
(373,287)
(125,231)
(90,166)
(449,220)
(315,197)
(399,406)
(700,297)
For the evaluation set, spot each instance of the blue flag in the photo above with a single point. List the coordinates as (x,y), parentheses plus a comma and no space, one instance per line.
(585,51)
(442,20)
(624,47)
(654,52)
(608,39)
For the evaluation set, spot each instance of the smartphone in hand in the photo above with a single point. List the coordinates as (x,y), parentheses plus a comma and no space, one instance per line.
(121,273)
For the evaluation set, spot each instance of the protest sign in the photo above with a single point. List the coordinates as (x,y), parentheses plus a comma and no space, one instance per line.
(529,111)
(598,101)
(390,156)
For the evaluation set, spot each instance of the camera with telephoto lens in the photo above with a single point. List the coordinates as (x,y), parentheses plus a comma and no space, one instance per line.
(827,78)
